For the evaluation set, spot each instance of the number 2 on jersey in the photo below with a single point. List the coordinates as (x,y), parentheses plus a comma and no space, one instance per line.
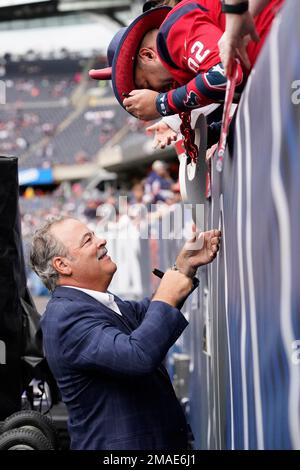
(200,55)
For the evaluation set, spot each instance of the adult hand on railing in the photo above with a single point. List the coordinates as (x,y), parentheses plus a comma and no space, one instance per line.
(199,250)
(240,29)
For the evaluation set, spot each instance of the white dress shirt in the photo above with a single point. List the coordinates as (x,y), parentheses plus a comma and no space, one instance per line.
(103,297)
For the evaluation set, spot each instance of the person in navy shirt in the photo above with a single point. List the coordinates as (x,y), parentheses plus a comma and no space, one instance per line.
(159,183)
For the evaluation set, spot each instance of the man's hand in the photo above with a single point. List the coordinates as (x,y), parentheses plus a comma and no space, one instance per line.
(201,249)
(173,288)
(163,134)
(239,30)
(142,104)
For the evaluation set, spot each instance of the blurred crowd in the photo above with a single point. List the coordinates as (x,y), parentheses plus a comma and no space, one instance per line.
(43,125)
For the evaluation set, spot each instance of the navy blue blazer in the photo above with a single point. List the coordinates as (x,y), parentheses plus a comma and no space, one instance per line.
(109,371)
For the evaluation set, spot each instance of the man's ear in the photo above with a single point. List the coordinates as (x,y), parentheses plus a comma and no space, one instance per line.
(146,54)
(61,265)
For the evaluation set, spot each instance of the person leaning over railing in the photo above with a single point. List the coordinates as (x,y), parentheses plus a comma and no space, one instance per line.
(167,60)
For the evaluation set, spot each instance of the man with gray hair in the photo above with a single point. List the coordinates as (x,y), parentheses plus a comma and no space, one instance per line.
(106,353)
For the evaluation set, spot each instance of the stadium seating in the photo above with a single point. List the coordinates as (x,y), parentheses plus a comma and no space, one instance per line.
(54,112)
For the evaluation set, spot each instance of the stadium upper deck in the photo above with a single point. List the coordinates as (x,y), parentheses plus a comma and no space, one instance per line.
(55,114)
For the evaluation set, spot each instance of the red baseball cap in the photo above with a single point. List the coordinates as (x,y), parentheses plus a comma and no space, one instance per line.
(123,50)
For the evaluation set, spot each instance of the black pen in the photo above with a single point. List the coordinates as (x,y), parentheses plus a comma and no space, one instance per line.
(158,273)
